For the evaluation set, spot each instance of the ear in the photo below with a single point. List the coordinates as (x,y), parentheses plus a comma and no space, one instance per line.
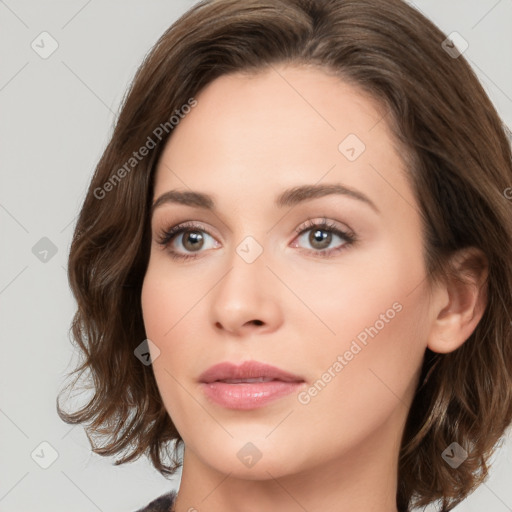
(459,303)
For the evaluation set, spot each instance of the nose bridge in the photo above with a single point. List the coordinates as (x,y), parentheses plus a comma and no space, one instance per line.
(245,293)
(247,264)
(248,244)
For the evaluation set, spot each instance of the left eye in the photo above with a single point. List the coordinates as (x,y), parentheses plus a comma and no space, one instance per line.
(321,235)
(320,238)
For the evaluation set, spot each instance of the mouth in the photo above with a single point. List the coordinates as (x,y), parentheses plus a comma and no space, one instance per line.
(248,371)
(239,381)
(247,386)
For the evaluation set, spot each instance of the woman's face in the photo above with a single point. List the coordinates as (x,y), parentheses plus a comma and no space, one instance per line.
(262,283)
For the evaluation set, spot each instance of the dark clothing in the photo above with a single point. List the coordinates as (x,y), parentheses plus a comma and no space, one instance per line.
(161,504)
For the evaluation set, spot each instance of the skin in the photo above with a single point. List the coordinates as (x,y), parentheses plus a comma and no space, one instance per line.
(248,139)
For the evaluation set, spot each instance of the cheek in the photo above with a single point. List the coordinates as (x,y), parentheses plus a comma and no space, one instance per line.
(166,298)
(368,372)
(164,308)
(155,301)
(171,307)
(374,314)
(365,290)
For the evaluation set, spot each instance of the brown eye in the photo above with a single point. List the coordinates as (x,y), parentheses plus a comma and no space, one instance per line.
(321,236)
(189,235)
(320,239)
(192,240)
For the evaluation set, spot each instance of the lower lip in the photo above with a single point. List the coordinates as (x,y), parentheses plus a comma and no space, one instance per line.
(248,395)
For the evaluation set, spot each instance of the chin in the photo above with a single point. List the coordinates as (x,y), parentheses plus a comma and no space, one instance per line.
(253,458)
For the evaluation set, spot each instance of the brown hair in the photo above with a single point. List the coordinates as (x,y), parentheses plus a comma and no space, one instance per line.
(460,166)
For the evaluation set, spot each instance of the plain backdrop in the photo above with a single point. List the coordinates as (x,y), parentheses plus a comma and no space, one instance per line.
(56,117)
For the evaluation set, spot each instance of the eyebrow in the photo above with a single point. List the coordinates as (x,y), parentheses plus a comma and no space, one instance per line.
(289,197)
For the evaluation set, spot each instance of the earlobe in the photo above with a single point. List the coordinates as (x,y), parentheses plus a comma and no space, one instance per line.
(460,301)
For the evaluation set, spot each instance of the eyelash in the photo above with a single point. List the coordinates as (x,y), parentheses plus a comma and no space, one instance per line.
(167,236)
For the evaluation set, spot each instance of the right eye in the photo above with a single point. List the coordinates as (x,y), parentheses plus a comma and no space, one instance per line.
(191,235)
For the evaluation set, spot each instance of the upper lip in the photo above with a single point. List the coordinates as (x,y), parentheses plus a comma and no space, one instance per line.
(246,370)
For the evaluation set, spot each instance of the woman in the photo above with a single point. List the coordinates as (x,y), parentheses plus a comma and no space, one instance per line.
(293,261)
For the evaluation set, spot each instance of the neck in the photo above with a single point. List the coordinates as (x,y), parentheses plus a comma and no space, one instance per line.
(361,480)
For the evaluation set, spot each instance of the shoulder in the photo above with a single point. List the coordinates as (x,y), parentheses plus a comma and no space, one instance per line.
(161,504)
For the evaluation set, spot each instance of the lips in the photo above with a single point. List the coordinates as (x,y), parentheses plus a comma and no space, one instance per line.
(250,385)
(247,372)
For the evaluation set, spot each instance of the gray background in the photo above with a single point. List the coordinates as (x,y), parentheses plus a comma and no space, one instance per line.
(57,116)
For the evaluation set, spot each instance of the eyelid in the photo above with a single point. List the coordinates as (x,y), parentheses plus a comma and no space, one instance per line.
(345,233)
(189,225)
(325,223)
(309,223)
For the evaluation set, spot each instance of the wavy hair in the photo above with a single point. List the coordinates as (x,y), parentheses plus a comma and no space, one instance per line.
(459,166)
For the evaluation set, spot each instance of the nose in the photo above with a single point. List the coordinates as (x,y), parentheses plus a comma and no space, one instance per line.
(247,298)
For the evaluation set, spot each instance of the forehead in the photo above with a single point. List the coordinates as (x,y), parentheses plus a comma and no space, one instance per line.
(279,128)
